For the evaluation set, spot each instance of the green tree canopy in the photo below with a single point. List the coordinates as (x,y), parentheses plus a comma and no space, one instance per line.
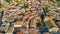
(19,2)
(8,1)
(39,24)
(0,5)
(39,1)
(45,9)
(58,1)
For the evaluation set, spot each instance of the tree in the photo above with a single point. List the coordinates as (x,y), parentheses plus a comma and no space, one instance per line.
(9,1)
(58,1)
(25,5)
(0,5)
(39,1)
(45,9)
(26,0)
(19,2)
(53,1)
(39,24)
(22,13)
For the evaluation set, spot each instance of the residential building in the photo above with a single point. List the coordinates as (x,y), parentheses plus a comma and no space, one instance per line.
(3,29)
(46,33)
(10,30)
(52,27)
(33,31)
(18,24)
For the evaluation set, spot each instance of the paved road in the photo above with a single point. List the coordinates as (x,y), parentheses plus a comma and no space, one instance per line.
(44,29)
(1,14)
